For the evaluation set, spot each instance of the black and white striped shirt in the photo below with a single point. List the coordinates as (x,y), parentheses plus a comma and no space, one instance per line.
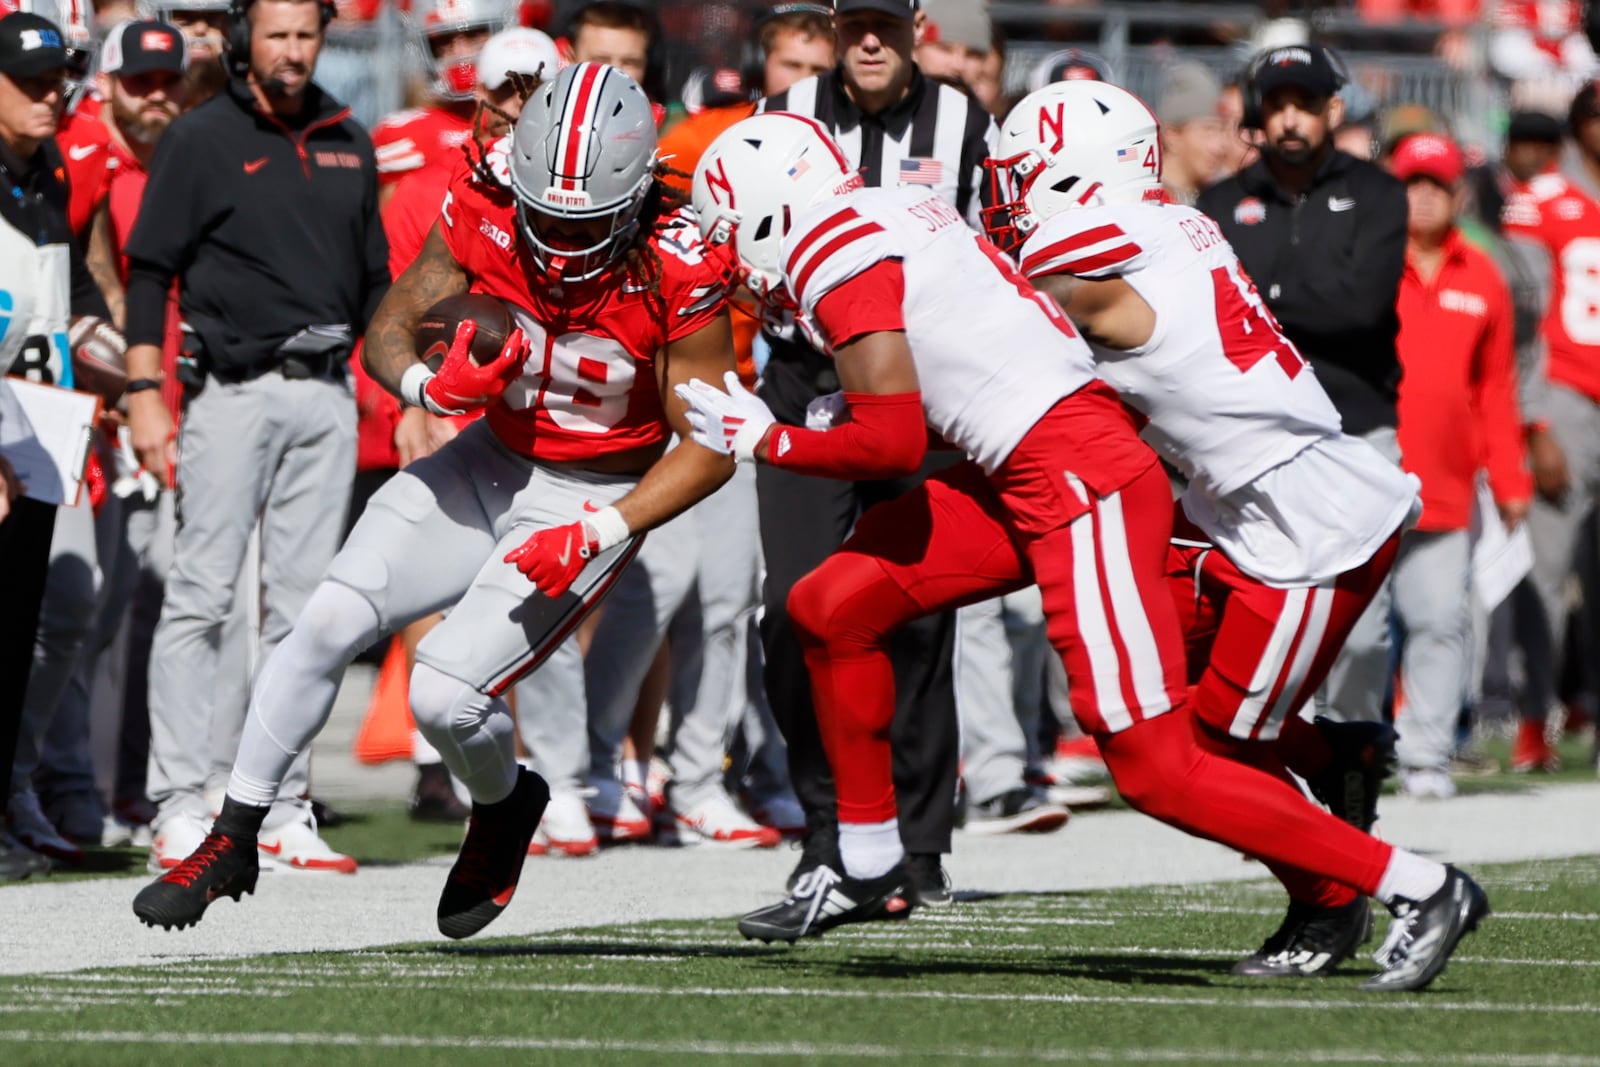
(935,136)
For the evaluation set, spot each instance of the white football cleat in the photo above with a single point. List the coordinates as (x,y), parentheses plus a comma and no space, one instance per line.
(715,819)
(296,846)
(565,829)
(615,816)
(175,840)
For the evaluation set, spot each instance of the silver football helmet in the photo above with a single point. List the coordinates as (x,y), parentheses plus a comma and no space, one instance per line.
(584,150)
(456,78)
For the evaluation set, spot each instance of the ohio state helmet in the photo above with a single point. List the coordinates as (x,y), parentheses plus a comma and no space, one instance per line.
(456,78)
(1071,144)
(72,17)
(754,180)
(583,149)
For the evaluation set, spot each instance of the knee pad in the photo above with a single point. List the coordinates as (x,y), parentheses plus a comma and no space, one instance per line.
(337,620)
(443,705)
(363,572)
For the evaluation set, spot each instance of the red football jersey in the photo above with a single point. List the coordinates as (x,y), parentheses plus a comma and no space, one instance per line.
(85,147)
(418,137)
(1553,212)
(589,387)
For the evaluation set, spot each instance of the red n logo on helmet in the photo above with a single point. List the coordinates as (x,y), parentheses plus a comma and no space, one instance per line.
(1055,123)
(717,178)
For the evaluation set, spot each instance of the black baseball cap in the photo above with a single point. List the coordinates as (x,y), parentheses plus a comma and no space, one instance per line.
(1534,126)
(136,48)
(905,9)
(1308,66)
(30,46)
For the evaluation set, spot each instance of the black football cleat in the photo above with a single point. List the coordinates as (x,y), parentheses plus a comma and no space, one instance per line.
(1363,756)
(824,899)
(223,866)
(819,848)
(484,877)
(1425,933)
(929,880)
(1311,942)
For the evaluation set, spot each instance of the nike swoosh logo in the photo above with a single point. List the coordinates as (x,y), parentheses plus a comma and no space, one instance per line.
(1341,203)
(566,551)
(255,165)
(83,151)
(264,847)
(588,505)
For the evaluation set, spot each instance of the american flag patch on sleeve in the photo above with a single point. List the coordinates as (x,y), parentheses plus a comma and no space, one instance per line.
(921,171)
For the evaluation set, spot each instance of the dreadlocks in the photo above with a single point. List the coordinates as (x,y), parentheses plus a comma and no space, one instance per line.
(642,261)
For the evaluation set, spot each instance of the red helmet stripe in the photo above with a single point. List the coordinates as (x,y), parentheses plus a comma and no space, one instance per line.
(582,97)
(822,132)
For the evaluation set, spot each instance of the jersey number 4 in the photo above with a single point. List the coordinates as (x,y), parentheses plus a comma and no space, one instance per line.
(1249,332)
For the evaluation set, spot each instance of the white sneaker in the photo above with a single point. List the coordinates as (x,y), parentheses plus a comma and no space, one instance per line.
(1433,783)
(565,829)
(1078,797)
(175,839)
(615,816)
(782,812)
(717,820)
(296,846)
(18,862)
(26,822)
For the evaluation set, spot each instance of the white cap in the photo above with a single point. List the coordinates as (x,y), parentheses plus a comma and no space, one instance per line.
(520,50)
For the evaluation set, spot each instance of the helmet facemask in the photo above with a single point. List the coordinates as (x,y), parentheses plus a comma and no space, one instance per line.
(572,265)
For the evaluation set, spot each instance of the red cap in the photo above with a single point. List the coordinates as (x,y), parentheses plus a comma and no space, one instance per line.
(1428,155)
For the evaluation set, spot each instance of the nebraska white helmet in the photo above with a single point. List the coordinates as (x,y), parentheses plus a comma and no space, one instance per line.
(1069,145)
(584,149)
(455,78)
(754,180)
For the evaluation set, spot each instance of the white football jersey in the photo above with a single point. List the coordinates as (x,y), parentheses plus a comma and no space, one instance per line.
(992,354)
(1228,396)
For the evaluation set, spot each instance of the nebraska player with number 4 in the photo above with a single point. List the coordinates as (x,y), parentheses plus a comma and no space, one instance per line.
(1298,522)
(567,223)
(926,321)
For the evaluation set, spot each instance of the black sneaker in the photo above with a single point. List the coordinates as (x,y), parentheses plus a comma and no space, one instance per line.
(1022,810)
(1425,933)
(1363,756)
(929,881)
(223,866)
(485,874)
(819,848)
(824,899)
(434,799)
(1311,942)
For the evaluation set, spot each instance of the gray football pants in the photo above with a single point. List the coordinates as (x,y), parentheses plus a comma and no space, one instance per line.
(1555,529)
(1432,589)
(992,683)
(1359,681)
(273,451)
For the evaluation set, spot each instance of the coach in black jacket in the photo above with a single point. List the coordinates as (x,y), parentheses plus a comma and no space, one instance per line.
(1323,234)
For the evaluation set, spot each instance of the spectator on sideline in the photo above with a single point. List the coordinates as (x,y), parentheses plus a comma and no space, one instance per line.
(1323,236)
(273,299)
(43,268)
(1194,146)
(621,34)
(1455,348)
(204,24)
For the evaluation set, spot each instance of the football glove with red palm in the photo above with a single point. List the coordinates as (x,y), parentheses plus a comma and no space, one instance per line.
(461,385)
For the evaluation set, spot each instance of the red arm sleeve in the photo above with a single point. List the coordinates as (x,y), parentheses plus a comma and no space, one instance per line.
(886,437)
(1495,396)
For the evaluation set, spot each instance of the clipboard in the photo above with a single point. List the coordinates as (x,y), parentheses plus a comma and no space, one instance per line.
(47,434)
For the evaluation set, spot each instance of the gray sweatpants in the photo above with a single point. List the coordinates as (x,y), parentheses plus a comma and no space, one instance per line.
(1432,589)
(1359,680)
(994,747)
(271,450)
(1554,529)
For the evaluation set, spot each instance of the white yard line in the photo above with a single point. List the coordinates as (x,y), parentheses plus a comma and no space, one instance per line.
(78,925)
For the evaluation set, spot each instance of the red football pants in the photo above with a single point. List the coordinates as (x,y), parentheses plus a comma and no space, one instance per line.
(1256,653)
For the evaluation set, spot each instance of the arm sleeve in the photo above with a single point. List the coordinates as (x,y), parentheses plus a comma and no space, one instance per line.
(886,437)
(869,302)
(147,303)
(172,212)
(1358,295)
(1495,396)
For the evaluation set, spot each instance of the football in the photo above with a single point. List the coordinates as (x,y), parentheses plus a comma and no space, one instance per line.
(99,358)
(438,325)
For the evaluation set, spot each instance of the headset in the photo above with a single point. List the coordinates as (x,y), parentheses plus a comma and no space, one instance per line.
(753,57)
(239,32)
(1251,96)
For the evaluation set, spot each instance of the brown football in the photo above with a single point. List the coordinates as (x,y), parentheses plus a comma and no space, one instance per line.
(437,328)
(99,358)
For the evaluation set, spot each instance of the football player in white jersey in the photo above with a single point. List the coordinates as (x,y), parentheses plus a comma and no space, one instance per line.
(1287,526)
(932,328)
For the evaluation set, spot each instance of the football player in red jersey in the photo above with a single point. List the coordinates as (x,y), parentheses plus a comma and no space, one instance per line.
(615,304)
(1059,491)
(453,33)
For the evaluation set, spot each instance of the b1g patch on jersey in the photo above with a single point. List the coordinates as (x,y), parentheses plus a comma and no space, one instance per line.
(1249,211)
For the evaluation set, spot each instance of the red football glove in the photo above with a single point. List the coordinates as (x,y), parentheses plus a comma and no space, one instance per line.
(461,385)
(553,557)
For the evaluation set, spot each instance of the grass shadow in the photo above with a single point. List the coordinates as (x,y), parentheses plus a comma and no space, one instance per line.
(595,949)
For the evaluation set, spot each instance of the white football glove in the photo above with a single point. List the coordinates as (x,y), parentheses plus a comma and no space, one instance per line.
(732,422)
(826,411)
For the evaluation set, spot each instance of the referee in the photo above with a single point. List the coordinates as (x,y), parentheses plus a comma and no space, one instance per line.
(263,204)
(901,129)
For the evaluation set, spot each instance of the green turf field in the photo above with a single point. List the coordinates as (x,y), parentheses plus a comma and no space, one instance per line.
(1104,977)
